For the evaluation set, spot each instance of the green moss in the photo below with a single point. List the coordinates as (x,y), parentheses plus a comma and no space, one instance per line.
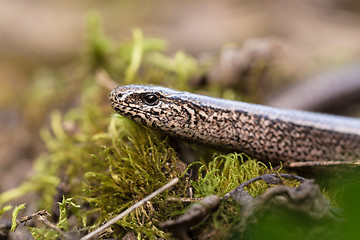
(136,163)
(15,212)
(64,213)
(111,162)
(224,220)
(225,172)
(5,209)
(99,47)
(221,175)
(43,233)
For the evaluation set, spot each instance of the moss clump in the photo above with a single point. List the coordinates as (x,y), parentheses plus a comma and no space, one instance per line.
(135,164)
(226,172)
(221,175)
(107,163)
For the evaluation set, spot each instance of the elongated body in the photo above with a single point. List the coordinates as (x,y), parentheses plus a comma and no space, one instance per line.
(266,133)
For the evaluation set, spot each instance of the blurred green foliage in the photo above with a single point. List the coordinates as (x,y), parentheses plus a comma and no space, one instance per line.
(109,163)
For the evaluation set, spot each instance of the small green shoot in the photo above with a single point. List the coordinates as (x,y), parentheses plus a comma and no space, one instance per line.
(5,209)
(63,221)
(15,214)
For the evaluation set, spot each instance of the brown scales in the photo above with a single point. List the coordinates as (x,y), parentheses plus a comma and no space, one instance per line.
(260,135)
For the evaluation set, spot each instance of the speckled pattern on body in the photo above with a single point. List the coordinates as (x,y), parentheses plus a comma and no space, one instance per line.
(266,133)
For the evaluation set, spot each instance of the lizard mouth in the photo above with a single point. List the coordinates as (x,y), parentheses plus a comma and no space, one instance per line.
(128,111)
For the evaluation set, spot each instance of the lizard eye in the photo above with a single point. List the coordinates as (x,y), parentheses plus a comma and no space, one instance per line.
(118,96)
(151,99)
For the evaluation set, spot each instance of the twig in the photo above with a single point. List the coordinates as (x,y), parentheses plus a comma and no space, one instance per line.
(129,210)
(195,214)
(321,163)
(50,225)
(40,214)
(184,200)
(240,195)
(41,217)
(34,216)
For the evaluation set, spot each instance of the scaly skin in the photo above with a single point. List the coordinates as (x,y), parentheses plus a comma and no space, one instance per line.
(266,133)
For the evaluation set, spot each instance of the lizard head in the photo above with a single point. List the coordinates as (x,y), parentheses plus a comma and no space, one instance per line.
(152,106)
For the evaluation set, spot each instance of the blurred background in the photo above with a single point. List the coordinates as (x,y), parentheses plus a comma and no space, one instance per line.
(41,42)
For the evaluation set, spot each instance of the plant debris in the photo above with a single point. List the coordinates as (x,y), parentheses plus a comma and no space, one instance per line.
(99,164)
(195,214)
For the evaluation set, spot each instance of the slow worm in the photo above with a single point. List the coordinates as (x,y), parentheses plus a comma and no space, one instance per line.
(266,133)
